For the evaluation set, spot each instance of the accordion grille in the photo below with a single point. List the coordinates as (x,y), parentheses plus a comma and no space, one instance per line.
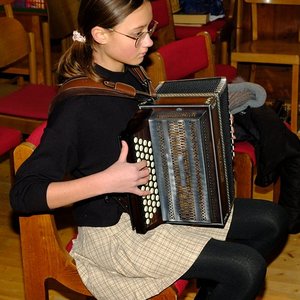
(184,165)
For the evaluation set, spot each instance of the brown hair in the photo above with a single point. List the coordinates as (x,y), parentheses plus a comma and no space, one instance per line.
(78,59)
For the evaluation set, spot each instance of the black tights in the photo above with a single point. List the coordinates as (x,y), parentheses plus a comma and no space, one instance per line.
(235,269)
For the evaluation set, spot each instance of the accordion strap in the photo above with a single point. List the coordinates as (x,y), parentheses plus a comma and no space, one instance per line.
(87,86)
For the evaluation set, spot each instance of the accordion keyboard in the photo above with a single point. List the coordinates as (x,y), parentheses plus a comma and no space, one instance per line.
(144,151)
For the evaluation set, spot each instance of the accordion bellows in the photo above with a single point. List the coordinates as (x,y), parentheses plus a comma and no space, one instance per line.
(185,136)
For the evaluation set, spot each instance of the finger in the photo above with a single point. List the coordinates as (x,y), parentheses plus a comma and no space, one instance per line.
(142,164)
(140,192)
(124,152)
(144,173)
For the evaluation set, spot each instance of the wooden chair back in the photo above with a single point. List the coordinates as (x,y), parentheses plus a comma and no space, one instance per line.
(20,48)
(62,21)
(26,65)
(62,17)
(254,13)
(264,46)
(7,4)
(44,255)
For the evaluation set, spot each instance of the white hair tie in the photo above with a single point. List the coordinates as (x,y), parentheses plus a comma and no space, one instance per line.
(78,37)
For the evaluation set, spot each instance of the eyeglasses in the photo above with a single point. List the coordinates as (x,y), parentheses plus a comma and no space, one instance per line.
(141,35)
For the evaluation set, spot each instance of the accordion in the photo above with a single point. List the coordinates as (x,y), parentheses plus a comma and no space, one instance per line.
(186,138)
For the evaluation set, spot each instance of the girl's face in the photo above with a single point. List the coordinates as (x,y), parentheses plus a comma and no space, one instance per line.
(117,46)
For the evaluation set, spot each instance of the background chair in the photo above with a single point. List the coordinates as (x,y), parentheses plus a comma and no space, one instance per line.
(20,68)
(220,30)
(57,33)
(269,50)
(189,57)
(193,58)
(44,255)
(26,107)
(7,7)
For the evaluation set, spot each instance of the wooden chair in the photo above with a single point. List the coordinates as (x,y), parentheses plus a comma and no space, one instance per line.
(193,58)
(44,256)
(7,4)
(259,50)
(26,107)
(20,68)
(57,33)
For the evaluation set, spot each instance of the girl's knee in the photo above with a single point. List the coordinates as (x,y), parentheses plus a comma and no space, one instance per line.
(254,268)
(250,267)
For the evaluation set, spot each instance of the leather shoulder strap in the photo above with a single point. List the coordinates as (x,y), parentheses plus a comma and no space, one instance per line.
(142,76)
(86,86)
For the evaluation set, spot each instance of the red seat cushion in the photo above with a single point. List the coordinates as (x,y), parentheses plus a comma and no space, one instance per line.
(35,137)
(180,285)
(246,147)
(9,139)
(30,101)
(193,49)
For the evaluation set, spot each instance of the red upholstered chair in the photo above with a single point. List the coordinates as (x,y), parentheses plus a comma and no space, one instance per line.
(220,30)
(25,108)
(191,57)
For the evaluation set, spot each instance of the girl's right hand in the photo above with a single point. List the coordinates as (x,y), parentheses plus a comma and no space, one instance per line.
(124,177)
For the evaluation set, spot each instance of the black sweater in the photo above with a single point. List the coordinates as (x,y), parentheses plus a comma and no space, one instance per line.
(82,137)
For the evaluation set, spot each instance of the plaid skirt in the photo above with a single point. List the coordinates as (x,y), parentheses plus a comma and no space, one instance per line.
(117,263)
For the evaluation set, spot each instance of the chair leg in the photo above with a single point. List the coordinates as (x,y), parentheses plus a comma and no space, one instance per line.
(35,289)
(252,72)
(294,98)
(224,53)
(47,53)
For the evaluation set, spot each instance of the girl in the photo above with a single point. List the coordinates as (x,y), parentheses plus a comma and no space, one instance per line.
(82,140)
